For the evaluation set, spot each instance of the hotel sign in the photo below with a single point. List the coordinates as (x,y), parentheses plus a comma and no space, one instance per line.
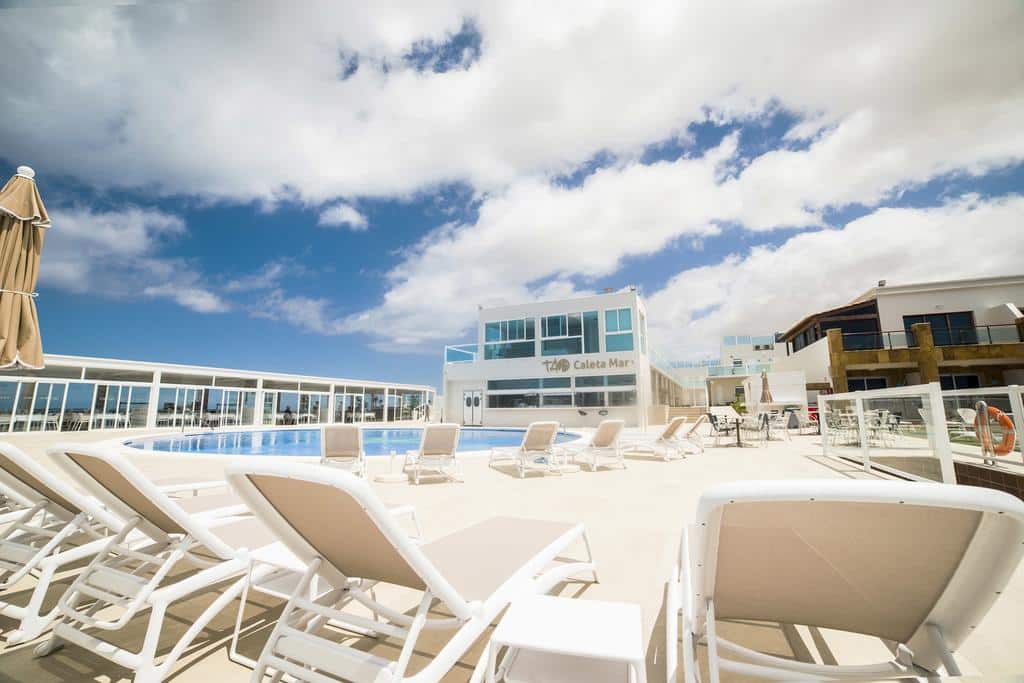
(560,365)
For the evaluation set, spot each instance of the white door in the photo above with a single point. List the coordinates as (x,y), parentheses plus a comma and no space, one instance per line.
(472,407)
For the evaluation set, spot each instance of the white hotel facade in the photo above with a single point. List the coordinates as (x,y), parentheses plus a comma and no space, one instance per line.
(576,361)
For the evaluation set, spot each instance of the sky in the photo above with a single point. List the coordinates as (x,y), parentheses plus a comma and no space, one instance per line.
(332,188)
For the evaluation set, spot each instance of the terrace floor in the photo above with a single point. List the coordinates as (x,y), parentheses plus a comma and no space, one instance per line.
(633,517)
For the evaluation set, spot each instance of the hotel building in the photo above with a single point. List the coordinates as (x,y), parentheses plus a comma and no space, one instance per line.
(575,361)
(74,393)
(963,334)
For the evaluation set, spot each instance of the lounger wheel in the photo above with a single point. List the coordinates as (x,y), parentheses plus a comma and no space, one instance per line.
(47,647)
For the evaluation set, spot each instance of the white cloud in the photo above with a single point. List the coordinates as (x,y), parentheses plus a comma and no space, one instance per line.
(306,313)
(117,255)
(342,214)
(769,289)
(129,96)
(195,298)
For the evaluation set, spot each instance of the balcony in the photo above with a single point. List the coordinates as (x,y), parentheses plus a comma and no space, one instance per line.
(982,335)
(737,370)
(460,353)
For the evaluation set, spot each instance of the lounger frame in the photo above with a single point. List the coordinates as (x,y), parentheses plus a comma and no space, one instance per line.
(528,455)
(667,445)
(127,580)
(993,554)
(295,650)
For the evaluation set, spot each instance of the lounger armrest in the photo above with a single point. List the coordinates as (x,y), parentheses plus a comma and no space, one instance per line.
(199,581)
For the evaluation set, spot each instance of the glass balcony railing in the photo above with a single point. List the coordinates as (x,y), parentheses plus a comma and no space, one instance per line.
(902,339)
(460,353)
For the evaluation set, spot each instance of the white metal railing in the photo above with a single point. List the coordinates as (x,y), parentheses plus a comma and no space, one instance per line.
(901,430)
(460,353)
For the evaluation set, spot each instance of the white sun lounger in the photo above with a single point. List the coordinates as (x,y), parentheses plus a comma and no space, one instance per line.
(341,445)
(474,573)
(667,444)
(56,527)
(536,452)
(436,454)
(125,580)
(918,564)
(604,445)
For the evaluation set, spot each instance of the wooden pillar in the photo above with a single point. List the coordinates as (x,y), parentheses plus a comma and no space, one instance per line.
(927,355)
(837,361)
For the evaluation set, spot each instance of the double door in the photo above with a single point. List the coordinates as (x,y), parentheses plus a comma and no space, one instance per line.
(472,408)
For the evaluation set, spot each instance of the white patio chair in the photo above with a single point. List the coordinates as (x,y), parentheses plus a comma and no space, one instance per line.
(666,444)
(604,444)
(474,574)
(536,452)
(821,553)
(341,445)
(56,526)
(125,580)
(436,454)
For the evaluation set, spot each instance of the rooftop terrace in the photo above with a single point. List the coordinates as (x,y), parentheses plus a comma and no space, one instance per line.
(633,516)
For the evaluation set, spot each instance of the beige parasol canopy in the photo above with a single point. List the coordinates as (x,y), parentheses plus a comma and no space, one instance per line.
(23,223)
(766,392)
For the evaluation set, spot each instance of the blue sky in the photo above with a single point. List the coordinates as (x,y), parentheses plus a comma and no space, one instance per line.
(334,191)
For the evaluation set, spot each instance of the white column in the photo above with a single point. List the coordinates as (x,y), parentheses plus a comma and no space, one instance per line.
(387,408)
(943,449)
(258,411)
(154,399)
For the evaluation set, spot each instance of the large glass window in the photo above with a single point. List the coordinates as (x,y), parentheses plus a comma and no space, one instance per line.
(374,407)
(865,383)
(590,399)
(77,407)
(959,382)
(570,334)
(622,398)
(618,328)
(948,329)
(509,339)
(513,400)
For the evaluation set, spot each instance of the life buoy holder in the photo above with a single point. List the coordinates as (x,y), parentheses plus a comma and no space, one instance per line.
(1005,446)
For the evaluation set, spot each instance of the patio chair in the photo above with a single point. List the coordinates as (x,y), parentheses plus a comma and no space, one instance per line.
(667,444)
(536,452)
(603,444)
(719,430)
(820,553)
(473,574)
(56,526)
(125,580)
(341,445)
(436,454)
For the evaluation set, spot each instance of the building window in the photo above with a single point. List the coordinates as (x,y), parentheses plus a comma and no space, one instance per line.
(556,400)
(948,382)
(622,398)
(948,329)
(513,400)
(509,339)
(569,334)
(618,328)
(590,399)
(865,383)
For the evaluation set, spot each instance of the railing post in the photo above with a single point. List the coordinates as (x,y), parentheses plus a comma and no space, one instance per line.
(865,449)
(822,424)
(1017,406)
(943,448)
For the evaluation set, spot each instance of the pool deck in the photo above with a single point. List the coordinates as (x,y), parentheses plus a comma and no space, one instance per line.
(633,517)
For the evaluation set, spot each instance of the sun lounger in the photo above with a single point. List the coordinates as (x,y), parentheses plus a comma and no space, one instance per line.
(341,445)
(917,564)
(474,574)
(603,445)
(436,454)
(56,527)
(667,444)
(536,452)
(125,580)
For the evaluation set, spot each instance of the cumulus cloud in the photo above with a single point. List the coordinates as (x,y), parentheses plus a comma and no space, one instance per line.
(195,98)
(771,288)
(342,214)
(117,254)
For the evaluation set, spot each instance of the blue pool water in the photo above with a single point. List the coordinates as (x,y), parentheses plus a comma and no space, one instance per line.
(307,441)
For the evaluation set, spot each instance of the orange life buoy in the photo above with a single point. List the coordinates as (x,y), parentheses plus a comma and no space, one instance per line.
(1009,435)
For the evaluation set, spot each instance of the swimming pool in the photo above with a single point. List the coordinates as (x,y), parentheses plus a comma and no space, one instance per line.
(306,442)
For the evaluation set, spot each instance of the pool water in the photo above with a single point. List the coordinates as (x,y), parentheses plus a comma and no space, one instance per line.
(306,442)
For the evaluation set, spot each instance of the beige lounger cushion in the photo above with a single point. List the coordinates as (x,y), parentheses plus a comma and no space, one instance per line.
(341,441)
(863,567)
(478,559)
(337,528)
(108,477)
(673,427)
(28,480)
(440,439)
(606,434)
(539,436)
